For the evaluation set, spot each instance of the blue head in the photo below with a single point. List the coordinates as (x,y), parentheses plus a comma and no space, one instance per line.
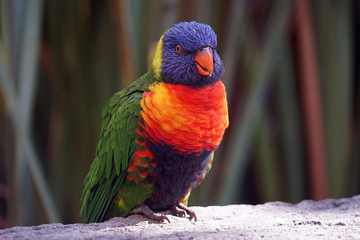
(186,54)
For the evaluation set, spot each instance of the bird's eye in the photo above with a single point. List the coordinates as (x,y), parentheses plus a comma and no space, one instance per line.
(178,49)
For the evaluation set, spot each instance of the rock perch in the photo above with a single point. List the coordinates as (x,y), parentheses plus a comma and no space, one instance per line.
(326,219)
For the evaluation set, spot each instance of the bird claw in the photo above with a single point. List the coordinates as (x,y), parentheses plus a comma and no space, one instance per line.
(180,207)
(160,217)
(177,211)
(146,211)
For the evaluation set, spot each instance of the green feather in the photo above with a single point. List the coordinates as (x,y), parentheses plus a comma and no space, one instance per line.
(115,149)
(101,167)
(117,161)
(125,155)
(109,163)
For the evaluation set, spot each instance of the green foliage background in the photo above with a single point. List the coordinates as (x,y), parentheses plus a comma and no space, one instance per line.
(292,77)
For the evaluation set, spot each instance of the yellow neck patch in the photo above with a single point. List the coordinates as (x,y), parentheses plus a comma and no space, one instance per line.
(156,63)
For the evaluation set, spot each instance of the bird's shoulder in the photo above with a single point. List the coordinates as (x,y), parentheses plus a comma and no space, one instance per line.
(127,100)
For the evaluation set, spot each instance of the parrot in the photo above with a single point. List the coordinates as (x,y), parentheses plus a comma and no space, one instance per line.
(159,134)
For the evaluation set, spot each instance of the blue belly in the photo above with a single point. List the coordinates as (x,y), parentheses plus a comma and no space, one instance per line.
(175,173)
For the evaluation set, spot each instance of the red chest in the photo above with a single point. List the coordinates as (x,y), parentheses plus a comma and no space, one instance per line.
(188,119)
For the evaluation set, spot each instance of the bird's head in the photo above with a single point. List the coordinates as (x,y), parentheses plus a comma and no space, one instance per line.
(186,54)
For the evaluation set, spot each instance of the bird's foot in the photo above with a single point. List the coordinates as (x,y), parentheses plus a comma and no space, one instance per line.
(176,211)
(181,209)
(146,211)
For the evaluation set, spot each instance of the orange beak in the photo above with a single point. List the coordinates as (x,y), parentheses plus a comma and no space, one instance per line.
(204,61)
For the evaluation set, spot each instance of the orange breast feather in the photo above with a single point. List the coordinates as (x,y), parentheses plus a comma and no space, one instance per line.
(189,119)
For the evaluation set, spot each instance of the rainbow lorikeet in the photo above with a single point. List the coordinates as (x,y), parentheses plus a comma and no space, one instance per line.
(159,134)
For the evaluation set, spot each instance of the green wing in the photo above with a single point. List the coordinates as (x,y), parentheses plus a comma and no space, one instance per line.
(114,150)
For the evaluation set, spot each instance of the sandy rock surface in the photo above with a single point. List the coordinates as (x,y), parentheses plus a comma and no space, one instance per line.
(327,219)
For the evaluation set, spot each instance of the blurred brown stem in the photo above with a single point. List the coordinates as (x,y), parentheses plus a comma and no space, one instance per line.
(311,101)
(123,43)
